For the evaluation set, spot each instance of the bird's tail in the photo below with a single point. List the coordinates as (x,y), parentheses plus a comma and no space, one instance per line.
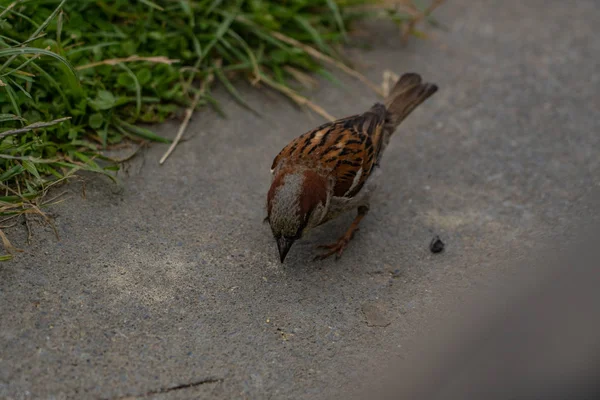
(406,95)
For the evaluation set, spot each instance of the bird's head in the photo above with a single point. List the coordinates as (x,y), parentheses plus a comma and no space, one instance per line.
(296,202)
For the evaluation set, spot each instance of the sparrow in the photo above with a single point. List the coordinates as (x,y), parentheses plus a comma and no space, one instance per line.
(334,168)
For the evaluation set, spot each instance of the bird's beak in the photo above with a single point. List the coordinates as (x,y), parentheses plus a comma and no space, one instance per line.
(284,246)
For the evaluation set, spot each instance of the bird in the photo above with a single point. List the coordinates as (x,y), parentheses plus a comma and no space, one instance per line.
(334,168)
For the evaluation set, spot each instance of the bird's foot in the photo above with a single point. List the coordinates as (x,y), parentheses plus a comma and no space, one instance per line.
(336,248)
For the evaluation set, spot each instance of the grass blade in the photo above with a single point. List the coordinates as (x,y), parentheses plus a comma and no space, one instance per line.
(25,92)
(152,5)
(303,22)
(337,15)
(233,91)
(33,50)
(10,117)
(141,132)
(49,19)
(15,170)
(223,27)
(12,96)
(138,90)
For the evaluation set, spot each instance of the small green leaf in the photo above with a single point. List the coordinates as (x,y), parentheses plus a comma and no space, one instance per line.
(124,80)
(32,116)
(144,76)
(96,120)
(104,100)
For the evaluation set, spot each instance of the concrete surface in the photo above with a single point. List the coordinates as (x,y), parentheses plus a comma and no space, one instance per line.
(171,288)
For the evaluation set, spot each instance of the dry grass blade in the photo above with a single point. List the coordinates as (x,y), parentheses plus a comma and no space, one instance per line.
(188,113)
(299,99)
(10,7)
(320,56)
(10,249)
(303,78)
(28,226)
(408,28)
(134,58)
(26,206)
(33,126)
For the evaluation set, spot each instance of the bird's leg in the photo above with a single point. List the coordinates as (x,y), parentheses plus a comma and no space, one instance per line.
(338,247)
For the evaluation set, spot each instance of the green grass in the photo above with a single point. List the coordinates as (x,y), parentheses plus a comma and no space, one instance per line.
(78,77)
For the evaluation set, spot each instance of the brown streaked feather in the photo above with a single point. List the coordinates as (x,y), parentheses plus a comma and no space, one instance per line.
(348,149)
(342,149)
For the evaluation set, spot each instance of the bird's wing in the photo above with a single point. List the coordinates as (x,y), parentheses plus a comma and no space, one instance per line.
(346,149)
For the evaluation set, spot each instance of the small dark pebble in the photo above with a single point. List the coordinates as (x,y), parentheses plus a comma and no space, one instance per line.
(436,245)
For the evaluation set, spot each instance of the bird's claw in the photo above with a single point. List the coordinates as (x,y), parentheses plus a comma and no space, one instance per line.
(336,248)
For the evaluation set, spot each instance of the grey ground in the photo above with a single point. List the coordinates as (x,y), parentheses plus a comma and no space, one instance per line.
(171,288)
